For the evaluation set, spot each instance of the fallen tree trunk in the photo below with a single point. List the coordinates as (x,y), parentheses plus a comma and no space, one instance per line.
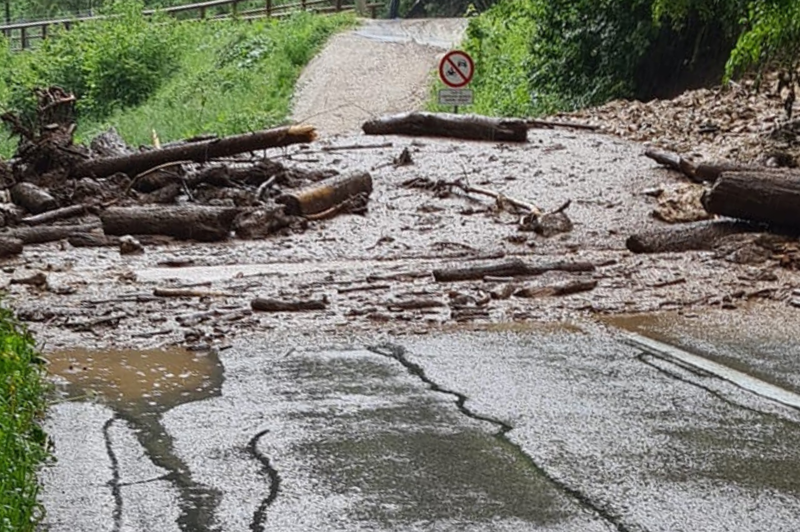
(185,222)
(470,127)
(264,304)
(700,236)
(56,214)
(508,268)
(10,247)
(32,198)
(326,194)
(766,197)
(572,287)
(200,152)
(40,235)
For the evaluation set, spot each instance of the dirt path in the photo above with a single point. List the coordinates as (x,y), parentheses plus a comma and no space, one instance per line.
(383,66)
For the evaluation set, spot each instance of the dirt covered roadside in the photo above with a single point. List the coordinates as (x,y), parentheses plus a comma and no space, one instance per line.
(373,272)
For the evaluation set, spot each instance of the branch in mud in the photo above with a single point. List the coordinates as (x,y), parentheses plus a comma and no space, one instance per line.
(508,268)
(470,127)
(264,304)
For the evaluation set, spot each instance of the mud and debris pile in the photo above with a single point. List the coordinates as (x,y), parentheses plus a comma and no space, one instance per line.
(744,122)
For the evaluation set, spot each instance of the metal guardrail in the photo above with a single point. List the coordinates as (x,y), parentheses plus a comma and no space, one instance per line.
(22,34)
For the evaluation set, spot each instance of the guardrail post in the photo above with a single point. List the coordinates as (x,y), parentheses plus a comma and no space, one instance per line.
(23,38)
(233,7)
(44,31)
(338,5)
(203,12)
(303,4)
(269,8)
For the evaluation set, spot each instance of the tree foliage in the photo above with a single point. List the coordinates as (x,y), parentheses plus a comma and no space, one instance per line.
(541,56)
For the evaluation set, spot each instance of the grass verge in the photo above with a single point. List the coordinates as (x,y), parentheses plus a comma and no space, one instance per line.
(223,76)
(23,444)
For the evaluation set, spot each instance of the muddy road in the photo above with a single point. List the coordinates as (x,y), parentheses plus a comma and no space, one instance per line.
(411,404)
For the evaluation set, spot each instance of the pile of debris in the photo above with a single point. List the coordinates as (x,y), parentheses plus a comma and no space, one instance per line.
(175,191)
(743,122)
(759,202)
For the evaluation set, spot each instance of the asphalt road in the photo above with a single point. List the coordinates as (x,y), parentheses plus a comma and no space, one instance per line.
(541,428)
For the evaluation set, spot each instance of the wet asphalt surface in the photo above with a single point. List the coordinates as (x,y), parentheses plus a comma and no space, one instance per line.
(363,418)
(540,428)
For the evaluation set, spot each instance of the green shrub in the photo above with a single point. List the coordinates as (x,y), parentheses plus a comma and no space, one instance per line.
(540,56)
(23,445)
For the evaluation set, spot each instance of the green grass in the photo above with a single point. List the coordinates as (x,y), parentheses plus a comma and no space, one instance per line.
(222,77)
(22,442)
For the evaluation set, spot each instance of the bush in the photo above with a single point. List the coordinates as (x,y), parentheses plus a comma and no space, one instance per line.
(179,78)
(22,442)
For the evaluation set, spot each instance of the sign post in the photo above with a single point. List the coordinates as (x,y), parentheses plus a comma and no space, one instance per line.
(456,70)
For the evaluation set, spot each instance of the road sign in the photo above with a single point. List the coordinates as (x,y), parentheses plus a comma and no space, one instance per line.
(456,69)
(455,97)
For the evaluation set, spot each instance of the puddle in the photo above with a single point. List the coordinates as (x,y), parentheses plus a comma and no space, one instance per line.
(152,380)
(140,386)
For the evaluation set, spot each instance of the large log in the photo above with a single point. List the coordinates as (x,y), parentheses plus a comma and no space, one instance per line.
(195,222)
(470,127)
(700,236)
(767,197)
(40,235)
(326,194)
(200,152)
(34,199)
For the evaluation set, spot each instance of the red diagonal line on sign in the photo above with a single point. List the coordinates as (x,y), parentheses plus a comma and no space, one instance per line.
(463,76)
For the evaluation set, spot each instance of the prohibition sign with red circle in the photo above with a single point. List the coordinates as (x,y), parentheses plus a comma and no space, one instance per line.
(456,69)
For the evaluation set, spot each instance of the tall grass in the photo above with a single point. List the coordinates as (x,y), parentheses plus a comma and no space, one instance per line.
(178,78)
(22,442)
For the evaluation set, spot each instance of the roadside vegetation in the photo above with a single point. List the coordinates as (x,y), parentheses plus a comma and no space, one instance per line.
(536,57)
(177,78)
(23,444)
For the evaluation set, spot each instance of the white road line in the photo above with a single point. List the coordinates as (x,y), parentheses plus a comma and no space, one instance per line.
(740,379)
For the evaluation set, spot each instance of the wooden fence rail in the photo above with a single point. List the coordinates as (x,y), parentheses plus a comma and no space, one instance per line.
(21,35)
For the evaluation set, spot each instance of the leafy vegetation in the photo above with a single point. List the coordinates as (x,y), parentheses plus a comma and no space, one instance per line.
(23,446)
(541,56)
(177,78)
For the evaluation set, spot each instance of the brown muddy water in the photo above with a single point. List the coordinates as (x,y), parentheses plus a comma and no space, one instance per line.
(150,380)
(140,386)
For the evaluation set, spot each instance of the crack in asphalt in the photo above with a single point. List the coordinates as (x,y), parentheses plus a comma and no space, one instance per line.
(257,524)
(398,353)
(114,483)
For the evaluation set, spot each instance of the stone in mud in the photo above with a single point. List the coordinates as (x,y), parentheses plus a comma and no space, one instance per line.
(130,246)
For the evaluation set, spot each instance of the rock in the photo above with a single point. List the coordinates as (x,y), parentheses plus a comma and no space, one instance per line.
(551,224)
(681,204)
(130,246)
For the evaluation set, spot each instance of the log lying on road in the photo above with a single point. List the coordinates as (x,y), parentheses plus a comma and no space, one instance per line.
(326,194)
(186,222)
(700,236)
(34,199)
(40,235)
(508,268)
(197,151)
(766,197)
(470,127)
(566,289)
(264,304)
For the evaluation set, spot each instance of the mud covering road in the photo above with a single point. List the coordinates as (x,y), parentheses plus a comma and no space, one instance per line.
(409,404)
